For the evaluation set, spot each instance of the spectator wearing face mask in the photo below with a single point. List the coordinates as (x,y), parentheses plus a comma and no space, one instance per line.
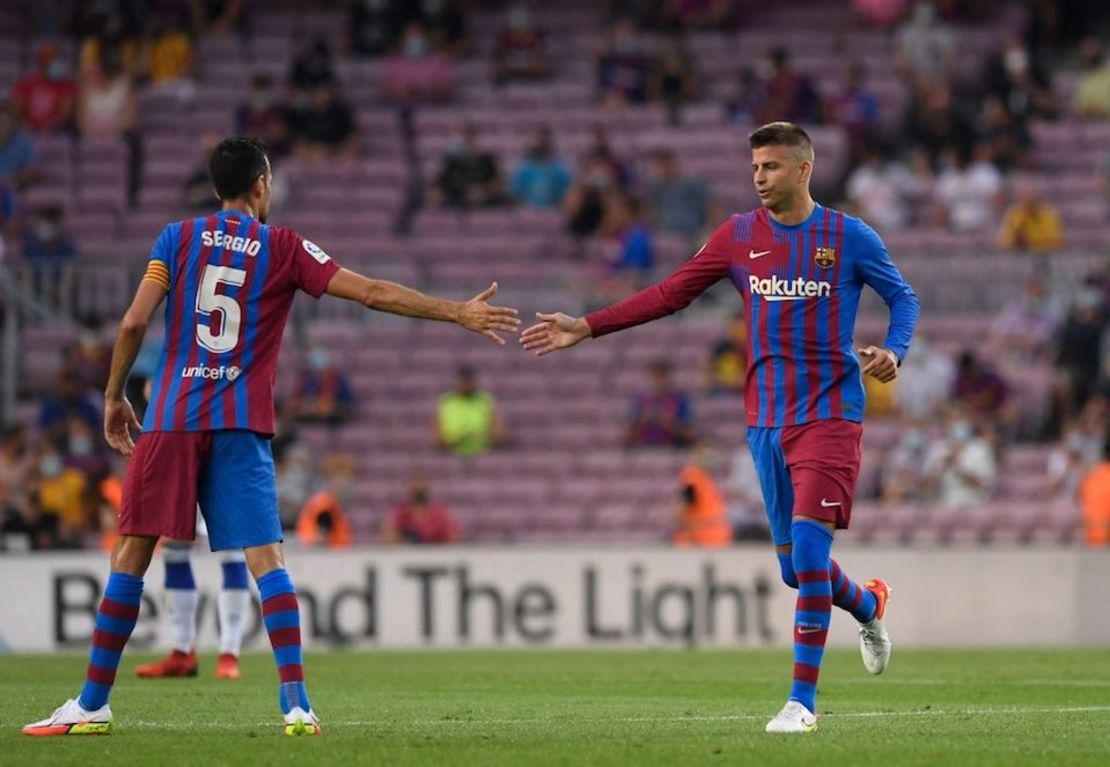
(469,177)
(374,26)
(62,490)
(925,379)
(1078,451)
(417,74)
(680,204)
(322,124)
(265,115)
(901,476)
(323,393)
(46,98)
(521,50)
(323,520)
(419,520)
(47,249)
(446,25)
(624,69)
(960,465)
(542,179)
(69,397)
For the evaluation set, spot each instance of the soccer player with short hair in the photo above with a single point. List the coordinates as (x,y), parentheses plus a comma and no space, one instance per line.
(799,268)
(230,279)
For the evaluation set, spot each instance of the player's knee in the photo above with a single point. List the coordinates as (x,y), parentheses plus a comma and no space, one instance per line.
(264,559)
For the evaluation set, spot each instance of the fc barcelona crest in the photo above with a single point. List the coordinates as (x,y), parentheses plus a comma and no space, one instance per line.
(825,257)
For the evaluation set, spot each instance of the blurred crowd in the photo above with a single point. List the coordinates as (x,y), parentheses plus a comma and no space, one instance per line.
(959,157)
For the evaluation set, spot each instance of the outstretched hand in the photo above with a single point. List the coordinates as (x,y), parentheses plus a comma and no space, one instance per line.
(119,420)
(554,331)
(481,317)
(879,363)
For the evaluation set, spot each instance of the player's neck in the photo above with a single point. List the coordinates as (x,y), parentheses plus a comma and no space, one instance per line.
(799,210)
(240,206)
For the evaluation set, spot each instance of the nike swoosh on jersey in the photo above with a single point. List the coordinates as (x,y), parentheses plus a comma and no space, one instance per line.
(826,505)
(753,255)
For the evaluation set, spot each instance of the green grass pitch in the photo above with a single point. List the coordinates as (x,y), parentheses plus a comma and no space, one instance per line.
(1002,707)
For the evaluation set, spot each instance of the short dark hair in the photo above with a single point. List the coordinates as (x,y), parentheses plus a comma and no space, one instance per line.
(782,134)
(236,163)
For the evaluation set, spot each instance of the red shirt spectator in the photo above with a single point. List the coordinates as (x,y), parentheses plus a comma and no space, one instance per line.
(45,98)
(978,387)
(416,520)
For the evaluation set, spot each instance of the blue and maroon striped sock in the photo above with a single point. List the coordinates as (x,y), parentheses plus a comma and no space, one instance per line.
(849,595)
(282,617)
(810,555)
(115,620)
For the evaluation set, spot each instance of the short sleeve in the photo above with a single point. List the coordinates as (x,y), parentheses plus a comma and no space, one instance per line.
(158,267)
(311,268)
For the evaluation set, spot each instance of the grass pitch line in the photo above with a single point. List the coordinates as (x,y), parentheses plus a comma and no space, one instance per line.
(142,725)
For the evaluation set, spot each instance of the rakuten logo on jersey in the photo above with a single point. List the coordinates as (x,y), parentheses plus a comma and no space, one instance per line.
(212,374)
(798,289)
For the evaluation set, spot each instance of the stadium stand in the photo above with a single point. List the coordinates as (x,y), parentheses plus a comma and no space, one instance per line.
(564,477)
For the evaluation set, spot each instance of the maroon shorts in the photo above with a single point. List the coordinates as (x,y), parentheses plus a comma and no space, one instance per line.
(807,471)
(230,473)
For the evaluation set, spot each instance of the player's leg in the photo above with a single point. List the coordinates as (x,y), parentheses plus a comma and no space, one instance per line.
(239,502)
(281,615)
(159,499)
(778,493)
(824,461)
(182,601)
(234,602)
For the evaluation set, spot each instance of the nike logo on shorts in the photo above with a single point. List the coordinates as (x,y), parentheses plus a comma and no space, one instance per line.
(826,505)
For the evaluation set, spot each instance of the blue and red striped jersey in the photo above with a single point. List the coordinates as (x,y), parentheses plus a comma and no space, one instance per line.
(801,287)
(231,281)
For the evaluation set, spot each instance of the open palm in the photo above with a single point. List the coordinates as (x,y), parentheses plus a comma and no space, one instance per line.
(554,331)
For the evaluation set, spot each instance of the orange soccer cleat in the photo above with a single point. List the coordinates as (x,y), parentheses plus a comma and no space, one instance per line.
(176,664)
(227,666)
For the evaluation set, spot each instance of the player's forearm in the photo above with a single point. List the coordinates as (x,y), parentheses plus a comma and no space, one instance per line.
(904,312)
(647,305)
(391,297)
(128,342)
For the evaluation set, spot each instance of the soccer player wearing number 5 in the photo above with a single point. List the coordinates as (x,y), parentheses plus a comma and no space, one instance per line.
(230,279)
(799,268)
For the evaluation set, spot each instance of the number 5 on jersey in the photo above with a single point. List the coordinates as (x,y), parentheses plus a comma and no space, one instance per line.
(209,300)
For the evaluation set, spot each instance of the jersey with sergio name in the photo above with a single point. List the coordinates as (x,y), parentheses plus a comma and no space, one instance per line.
(230,282)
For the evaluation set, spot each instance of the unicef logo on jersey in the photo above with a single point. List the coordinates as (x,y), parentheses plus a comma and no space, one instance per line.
(221,373)
(316,251)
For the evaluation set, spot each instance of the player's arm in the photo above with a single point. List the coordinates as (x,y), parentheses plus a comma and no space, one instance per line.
(476,314)
(560,331)
(879,271)
(119,417)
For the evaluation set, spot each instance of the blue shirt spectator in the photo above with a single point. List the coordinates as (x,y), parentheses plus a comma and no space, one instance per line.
(662,417)
(681,204)
(46,243)
(541,179)
(17,153)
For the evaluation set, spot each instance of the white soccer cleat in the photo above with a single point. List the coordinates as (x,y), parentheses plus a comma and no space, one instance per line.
(301,722)
(70,719)
(794,718)
(874,642)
